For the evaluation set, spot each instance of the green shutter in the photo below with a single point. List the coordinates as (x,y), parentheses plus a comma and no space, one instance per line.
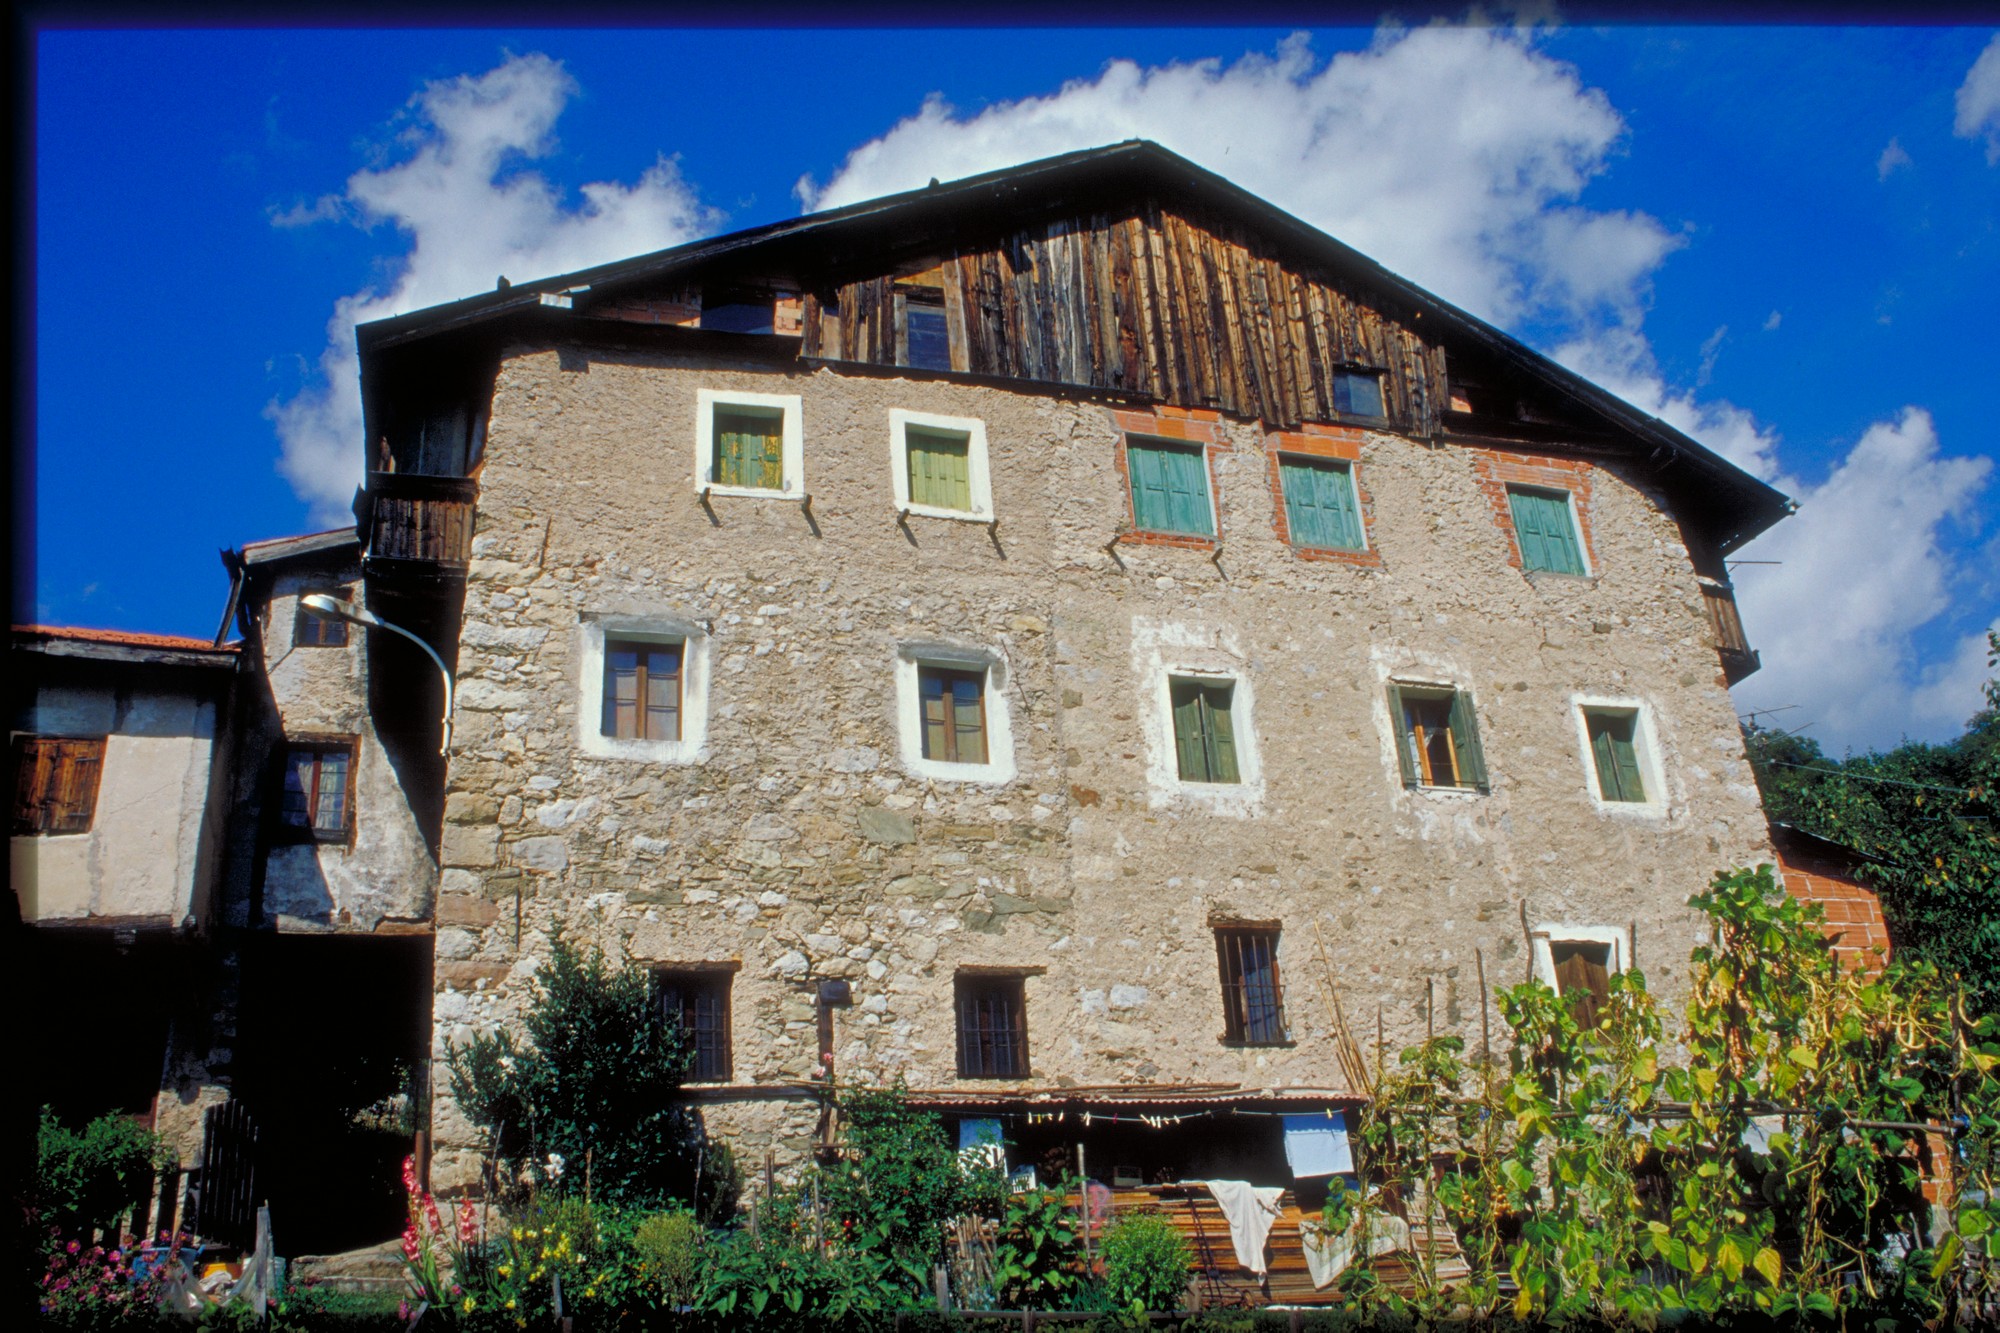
(1406,742)
(1465,740)
(1546,531)
(1607,763)
(1204,732)
(749,449)
(1190,745)
(939,475)
(1221,736)
(1319,504)
(1169,488)
(1616,756)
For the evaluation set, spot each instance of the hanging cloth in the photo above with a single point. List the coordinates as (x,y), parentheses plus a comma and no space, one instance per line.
(1250,1210)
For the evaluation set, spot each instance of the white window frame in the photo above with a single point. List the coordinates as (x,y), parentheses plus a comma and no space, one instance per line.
(1163,653)
(1618,937)
(979,479)
(999,766)
(692,747)
(1645,742)
(792,464)
(1575,530)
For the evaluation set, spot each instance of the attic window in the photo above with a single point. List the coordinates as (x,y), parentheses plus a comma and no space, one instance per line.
(1358,393)
(734,311)
(925,341)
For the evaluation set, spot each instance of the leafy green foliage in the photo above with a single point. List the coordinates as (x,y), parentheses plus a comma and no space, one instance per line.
(1928,814)
(86,1179)
(1145,1263)
(1037,1256)
(899,1184)
(593,1098)
(770,1278)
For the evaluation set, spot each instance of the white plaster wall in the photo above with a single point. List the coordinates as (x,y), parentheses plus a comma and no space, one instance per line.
(140,857)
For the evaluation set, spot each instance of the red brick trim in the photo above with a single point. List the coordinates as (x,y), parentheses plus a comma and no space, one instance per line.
(1189,425)
(1342,442)
(1854,920)
(1497,469)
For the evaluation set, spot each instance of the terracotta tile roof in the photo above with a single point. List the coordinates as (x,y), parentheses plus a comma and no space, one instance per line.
(123,637)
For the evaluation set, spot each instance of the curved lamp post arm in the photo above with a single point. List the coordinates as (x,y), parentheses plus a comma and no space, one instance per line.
(320,604)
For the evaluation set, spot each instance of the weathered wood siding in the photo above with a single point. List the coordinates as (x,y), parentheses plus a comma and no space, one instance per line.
(1153,303)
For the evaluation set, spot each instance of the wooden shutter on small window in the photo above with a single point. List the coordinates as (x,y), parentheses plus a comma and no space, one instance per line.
(1204,732)
(1583,978)
(749,450)
(1546,531)
(1465,740)
(1319,504)
(939,473)
(56,784)
(1406,741)
(1617,759)
(1169,488)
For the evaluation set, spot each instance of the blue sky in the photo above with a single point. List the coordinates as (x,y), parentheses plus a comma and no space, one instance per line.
(1783,240)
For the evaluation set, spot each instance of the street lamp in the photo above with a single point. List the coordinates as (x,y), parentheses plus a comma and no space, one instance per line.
(319,604)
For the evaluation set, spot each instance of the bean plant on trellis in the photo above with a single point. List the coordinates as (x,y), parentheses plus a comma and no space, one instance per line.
(1608,1173)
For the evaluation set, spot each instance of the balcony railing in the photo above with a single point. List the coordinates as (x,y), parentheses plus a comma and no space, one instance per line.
(1738,658)
(426,520)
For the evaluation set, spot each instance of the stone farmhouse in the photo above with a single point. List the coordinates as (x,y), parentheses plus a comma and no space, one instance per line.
(1076,639)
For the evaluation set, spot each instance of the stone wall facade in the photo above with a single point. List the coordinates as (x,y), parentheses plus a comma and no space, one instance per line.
(796,836)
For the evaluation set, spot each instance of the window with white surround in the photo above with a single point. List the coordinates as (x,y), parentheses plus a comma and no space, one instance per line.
(1197,714)
(938,466)
(1621,755)
(1578,962)
(749,444)
(952,719)
(643,691)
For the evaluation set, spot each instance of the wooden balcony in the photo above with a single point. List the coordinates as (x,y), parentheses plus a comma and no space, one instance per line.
(419,526)
(1738,658)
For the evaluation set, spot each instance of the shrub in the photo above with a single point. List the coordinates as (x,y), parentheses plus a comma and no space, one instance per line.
(593,1101)
(667,1251)
(86,1179)
(1145,1263)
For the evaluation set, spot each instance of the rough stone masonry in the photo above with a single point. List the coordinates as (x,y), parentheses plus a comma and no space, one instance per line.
(797,843)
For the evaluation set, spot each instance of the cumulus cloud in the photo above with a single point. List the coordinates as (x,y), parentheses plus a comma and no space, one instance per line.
(457,189)
(1453,155)
(1860,570)
(1979,101)
(1459,157)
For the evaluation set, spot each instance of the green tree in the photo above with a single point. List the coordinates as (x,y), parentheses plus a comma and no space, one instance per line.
(1926,814)
(594,1096)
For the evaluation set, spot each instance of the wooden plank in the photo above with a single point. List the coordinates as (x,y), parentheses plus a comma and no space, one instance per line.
(1129,373)
(952,282)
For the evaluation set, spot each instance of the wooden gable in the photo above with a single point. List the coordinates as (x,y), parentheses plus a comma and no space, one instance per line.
(1153,302)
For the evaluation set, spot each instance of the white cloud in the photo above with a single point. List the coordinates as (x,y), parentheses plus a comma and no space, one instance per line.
(1979,101)
(471,214)
(1861,570)
(1772,321)
(1893,158)
(1453,155)
(1458,157)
